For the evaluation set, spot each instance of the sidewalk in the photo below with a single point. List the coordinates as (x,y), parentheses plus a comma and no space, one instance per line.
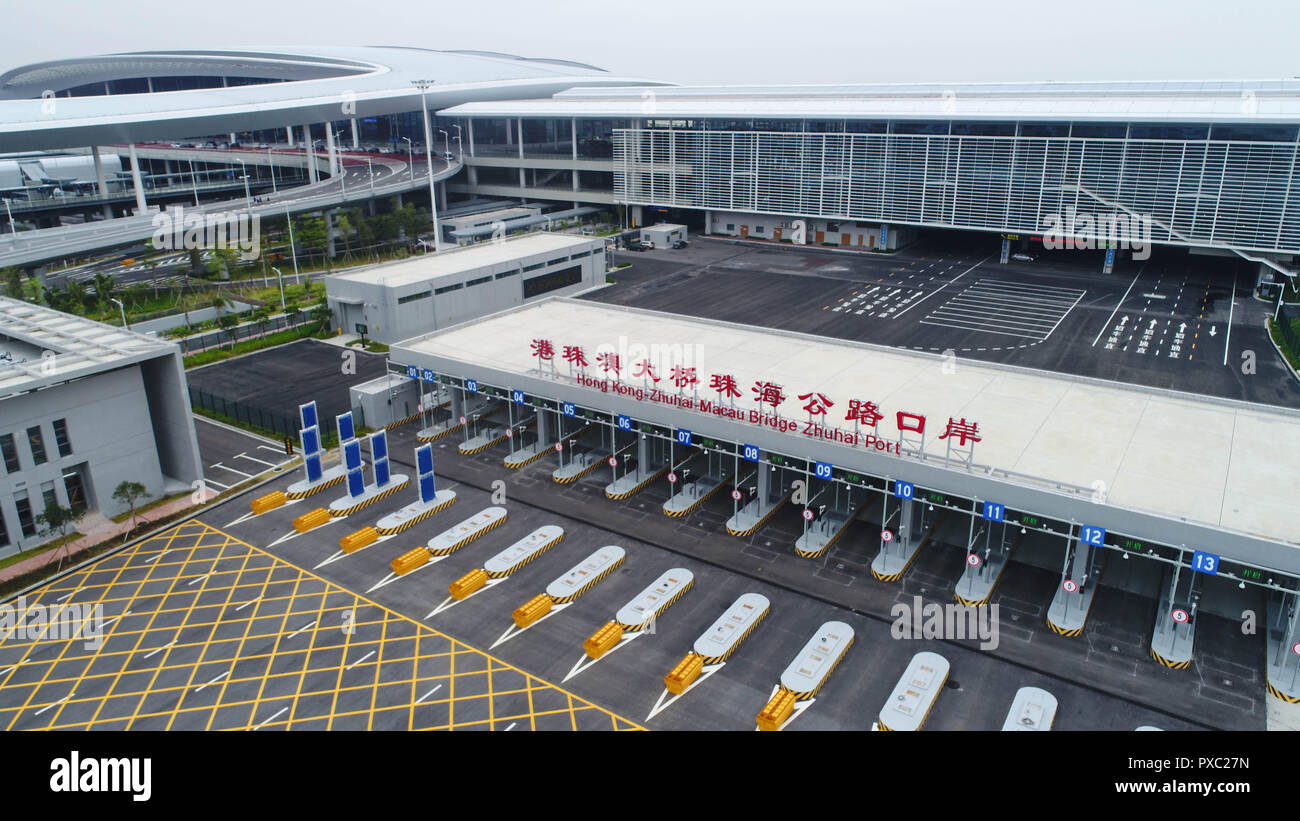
(97,529)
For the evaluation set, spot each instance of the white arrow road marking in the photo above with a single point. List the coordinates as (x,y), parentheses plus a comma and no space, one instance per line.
(666,699)
(513,631)
(449,602)
(1212,330)
(585,662)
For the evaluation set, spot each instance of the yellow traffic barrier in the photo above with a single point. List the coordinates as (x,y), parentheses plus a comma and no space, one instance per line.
(410,560)
(603,640)
(314,518)
(268,502)
(532,610)
(463,587)
(776,711)
(355,541)
(684,674)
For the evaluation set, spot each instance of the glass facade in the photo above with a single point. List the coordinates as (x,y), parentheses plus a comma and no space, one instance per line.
(1235,193)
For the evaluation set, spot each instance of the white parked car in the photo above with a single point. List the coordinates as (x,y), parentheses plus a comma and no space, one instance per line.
(1022,257)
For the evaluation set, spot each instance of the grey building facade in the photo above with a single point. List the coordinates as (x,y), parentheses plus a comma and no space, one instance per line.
(405,299)
(83,407)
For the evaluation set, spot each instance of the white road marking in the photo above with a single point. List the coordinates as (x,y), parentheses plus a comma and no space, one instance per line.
(1232,304)
(199,579)
(426,695)
(281,712)
(1117,304)
(255,459)
(156,558)
(940,288)
(157,650)
(57,703)
(232,470)
(68,595)
(363,658)
(299,630)
(513,724)
(216,484)
(247,603)
(199,689)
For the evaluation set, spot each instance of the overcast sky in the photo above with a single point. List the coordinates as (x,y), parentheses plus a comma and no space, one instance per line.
(720,41)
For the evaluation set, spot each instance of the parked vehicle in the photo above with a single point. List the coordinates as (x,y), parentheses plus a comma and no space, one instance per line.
(1022,257)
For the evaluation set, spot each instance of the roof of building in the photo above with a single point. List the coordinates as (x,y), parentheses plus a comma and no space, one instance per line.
(77,347)
(1226,464)
(303,84)
(1247,101)
(428,267)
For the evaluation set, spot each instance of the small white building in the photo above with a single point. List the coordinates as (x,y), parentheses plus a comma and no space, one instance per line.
(663,235)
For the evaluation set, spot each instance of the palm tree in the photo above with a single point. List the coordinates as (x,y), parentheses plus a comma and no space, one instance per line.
(103,285)
(218,300)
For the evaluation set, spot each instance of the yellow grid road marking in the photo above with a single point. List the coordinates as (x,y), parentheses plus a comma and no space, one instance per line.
(195,551)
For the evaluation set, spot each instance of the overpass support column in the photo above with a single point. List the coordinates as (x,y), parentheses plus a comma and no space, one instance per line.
(441,188)
(136,182)
(101,185)
(356,140)
(288,133)
(1283,641)
(469,122)
(331,149)
(312,174)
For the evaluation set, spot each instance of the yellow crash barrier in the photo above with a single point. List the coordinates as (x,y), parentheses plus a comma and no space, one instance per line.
(532,610)
(603,640)
(355,541)
(410,560)
(314,518)
(684,674)
(774,714)
(268,502)
(467,584)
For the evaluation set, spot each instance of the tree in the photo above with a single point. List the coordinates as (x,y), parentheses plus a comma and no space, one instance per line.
(151,264)
(58,519)
(322,313)
(127,492)
(261,316)
(13,282)
(222,263)
(312,233)
(103,285)
(228,323)
(292,313)
(218,300)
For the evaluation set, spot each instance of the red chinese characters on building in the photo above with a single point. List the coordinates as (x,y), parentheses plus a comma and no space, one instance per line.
(684,377)
(609,362)
(574,356)
(768,392)
(817,403)
(724,384)
(963,430)
(644,368)
(860,411)
(911,422)
(543,350)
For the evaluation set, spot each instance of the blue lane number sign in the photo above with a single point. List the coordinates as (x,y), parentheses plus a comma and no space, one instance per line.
(471,385)
(823,470)
(1205,562)
(750,453)
(412,371)
(994,511)
(904,490)
(624,422)
(567,407)
(428,375)
(1095,536)
(683,436)
(517,397)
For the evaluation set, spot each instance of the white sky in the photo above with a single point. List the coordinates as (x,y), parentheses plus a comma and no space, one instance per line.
(721,41)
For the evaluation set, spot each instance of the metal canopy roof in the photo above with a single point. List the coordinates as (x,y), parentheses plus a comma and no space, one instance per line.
(1253,101)
(79,346)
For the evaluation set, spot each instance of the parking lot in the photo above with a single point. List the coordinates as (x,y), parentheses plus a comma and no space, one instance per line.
(1175,321)
(230,455)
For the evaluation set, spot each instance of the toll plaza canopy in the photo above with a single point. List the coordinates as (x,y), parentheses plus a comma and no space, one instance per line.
(1177,468)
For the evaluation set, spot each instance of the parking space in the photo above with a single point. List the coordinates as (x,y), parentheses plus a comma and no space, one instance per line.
(231,455)
(1175,321)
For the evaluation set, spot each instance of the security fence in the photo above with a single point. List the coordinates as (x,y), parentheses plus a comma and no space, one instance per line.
(244,413)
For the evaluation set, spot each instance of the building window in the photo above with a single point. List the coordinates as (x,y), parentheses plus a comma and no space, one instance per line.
(505,274)
(758,229)
(535,266)
(10,453)
(402,300)
(25,519)
(37,442)
(48,495)
(552,281)
(61,437)
(75,490)
(731,226)
(444,289)
(4,531)
(478,281)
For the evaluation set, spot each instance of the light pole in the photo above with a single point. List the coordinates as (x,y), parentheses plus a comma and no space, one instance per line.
(271,162)
(292,251)
(280,277)
(410,157)
(343,169)
(10,212)
(460,146)
(370,167)
(248,197)
(194,182)
(123,309)
(423,85)
(446,143)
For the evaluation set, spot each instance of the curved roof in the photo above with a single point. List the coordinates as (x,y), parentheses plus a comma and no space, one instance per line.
(303,85)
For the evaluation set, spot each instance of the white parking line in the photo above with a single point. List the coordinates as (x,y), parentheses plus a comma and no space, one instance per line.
(1118,304)
(940,288)
(1232,305)
(232,470)
(255,459)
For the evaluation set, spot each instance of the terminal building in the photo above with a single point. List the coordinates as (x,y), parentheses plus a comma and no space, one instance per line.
(399,300)
(1177,497)
(83,407)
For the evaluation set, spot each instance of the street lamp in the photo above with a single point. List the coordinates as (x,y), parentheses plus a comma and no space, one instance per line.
(460,146)
(280,277)
(370,167)
(271,162)
(194,182)
(10,212)
(123,309)
(410,161)
(292,251)
(343,169)
(446,143)
(423,85)
(248,197)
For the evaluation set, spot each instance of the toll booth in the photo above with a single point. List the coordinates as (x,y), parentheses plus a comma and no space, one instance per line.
(907,522)
(530,424)
(1080,576)
(1283,643)
(831,502)
(584,443)
(641,456)
(764,483)
(991,540)
(699,468)
(1175,630)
